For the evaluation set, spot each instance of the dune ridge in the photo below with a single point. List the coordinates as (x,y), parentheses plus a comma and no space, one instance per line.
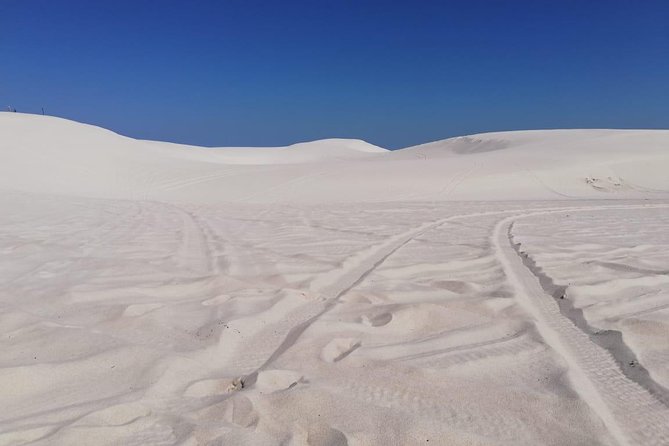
(45,154)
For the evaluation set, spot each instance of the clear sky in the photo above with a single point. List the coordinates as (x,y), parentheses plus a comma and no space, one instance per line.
(395,73)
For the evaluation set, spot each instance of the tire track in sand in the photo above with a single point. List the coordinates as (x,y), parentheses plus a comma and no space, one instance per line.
(631,414)
(273,341)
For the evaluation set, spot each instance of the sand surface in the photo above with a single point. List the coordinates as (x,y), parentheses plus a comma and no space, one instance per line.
(507,288)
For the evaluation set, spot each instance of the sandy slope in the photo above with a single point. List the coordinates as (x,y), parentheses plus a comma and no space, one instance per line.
(49,154)
(333,293)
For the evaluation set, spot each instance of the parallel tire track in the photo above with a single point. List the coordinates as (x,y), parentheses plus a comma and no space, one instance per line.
(273,341)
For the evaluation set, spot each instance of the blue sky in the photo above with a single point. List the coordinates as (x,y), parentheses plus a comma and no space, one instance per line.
(395,73)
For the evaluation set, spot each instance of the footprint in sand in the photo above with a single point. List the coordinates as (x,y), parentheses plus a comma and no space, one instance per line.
(455,286)
(140,309)
(377,320)
(270,381)
(339,348)
(318,434)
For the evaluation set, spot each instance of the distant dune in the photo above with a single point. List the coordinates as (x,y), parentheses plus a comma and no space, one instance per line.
(47,154)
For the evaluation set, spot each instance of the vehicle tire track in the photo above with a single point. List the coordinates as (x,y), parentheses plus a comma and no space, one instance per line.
(195,251)
(330,288)
(274,340)
(630,412)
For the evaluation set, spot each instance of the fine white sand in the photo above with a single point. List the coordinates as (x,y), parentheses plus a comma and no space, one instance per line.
(504,288)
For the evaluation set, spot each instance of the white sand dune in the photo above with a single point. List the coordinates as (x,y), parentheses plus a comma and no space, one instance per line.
(503,288)
(50,154)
